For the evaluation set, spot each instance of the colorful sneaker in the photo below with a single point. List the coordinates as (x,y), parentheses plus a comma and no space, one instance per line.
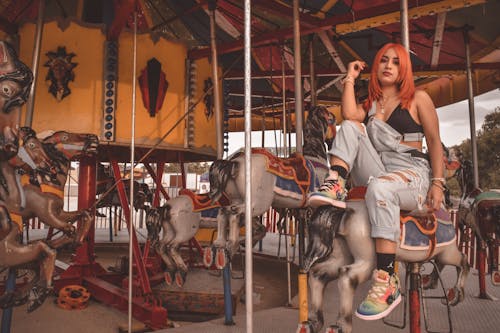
(332,192)
(382,298)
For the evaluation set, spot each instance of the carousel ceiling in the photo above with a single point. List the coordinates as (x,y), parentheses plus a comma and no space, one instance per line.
(333,33)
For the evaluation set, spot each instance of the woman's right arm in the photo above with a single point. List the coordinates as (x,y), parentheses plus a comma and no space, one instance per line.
(350,109)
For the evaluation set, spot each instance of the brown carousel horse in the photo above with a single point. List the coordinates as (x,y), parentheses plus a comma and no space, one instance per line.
(481,212)
(40,194)
(15,81)
(46,200)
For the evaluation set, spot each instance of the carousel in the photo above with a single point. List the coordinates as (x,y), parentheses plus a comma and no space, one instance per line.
(98,99)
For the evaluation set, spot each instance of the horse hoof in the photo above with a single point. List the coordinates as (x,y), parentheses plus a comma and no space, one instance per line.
(168,277)
(454,296)
(37,296)
(304,327)
(6,300)
(221,259)
(180,278)
(427,282)
(333,329)
(208,257)
(495,278)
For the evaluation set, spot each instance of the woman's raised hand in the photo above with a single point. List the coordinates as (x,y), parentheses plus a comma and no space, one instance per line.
(355,67)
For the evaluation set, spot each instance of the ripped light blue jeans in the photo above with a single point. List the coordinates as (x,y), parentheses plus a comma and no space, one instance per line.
(396,180)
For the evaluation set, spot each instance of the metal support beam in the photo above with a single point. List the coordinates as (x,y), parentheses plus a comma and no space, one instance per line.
(438,39)
(343,24)
(336,58)
(122,13)
(216,82)
(403,17)
(472,117)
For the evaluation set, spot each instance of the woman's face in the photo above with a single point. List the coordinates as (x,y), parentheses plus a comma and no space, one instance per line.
(388,69)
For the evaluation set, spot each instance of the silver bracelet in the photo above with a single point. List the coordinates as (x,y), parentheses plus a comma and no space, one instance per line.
(348,79)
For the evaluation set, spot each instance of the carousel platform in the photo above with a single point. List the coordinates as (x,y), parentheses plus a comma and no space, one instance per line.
(472,315)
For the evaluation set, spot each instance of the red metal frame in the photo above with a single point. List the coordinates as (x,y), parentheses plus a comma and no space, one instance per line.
(102,285)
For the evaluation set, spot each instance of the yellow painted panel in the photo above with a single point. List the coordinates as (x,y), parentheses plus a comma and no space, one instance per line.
(82,110)
(204,135)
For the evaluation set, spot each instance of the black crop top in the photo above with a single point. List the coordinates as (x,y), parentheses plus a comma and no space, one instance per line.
(401,120)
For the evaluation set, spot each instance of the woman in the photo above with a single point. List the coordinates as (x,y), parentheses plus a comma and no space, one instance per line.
(380,146)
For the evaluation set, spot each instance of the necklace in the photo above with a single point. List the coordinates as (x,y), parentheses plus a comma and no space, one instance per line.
(382,104)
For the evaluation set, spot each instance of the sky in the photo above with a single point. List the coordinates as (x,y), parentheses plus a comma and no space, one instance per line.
(453,123)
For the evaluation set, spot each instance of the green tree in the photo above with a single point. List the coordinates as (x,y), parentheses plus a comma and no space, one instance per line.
(488,151)
(195,167)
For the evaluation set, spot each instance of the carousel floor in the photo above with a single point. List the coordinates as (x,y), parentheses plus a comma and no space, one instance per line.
(270,296)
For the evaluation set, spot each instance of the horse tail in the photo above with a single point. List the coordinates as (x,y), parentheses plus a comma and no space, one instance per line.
(219,174)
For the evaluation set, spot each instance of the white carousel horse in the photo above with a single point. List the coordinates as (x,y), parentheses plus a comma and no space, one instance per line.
(270,187)
(340,247)
(179,219)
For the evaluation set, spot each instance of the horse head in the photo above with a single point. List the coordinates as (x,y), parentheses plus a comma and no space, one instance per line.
(15,83)
(72,145)
(32,156)
(465,178)
(319,129)
(322,227)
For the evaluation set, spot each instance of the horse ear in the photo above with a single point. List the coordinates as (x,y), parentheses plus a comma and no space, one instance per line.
(234,170)
(166,211)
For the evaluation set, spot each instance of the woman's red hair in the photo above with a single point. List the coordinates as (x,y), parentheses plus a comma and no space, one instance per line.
(404,79)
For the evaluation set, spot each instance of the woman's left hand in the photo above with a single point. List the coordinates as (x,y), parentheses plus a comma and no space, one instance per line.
(434,198)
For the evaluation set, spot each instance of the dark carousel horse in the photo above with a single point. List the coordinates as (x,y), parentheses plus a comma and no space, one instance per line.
(228,177)
(108,193)
(481,212)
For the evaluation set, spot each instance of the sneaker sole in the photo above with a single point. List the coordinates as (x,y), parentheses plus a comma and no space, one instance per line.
(381,314)
(322,201)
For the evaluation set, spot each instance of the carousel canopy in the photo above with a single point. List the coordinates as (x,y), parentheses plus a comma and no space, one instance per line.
(332,34)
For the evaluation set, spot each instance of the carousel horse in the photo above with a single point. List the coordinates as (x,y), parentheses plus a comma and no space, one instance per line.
(179,219)
(340,247)
(15,82)
(451,168)
(276,182)
(108,193)
(46,200)
(481,212)
(41,195)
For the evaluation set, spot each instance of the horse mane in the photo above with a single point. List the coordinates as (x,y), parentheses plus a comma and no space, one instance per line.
(21,75)
(56,155)
(465,178)
(219,174)
(323,225)
(315,130)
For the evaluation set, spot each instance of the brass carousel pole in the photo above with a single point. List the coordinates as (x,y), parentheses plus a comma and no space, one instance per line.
(215,74)
(303,307)
(248,172)
(131,193)
(405,33)
(36,56)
